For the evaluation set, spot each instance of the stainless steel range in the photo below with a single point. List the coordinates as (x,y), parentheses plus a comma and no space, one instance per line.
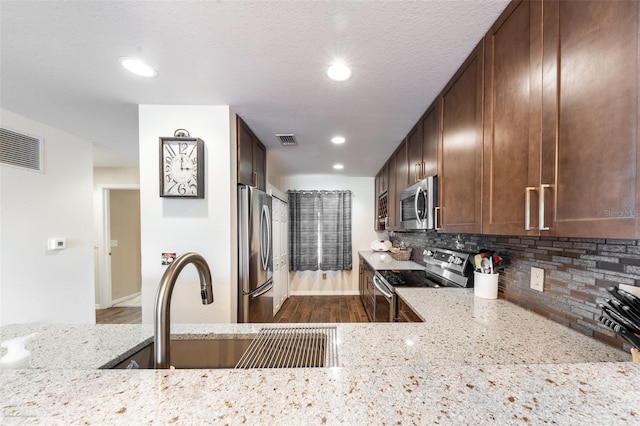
(443,268)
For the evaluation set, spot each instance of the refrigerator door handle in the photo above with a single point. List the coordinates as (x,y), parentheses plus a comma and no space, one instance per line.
(265,246)
(264,289)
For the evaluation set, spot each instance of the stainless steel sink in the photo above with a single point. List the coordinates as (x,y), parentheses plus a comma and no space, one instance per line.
(272,347)
(193,353)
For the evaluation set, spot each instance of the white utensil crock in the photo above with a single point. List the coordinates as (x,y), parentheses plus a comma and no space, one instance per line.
(485,285)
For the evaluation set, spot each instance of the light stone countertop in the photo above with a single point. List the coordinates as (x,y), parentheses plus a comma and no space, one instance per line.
(383,260)
(473,361)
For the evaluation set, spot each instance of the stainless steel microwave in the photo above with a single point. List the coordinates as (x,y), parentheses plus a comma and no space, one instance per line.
(418,203)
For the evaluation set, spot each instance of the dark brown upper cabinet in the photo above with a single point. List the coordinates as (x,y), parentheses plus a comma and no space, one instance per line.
(382,199)
(381,180)
(402,169)
(398,181)
(512,114)
(251,157)
(393,201)
(430,138)
(422,145)
(460,153)
(561,120)
(414,150)
(538,131)
(589,179)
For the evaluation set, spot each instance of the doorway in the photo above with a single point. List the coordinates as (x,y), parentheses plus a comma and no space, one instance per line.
(119,257)
(124,244)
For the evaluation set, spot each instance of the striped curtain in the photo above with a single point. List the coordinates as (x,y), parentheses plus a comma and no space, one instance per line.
(320,230)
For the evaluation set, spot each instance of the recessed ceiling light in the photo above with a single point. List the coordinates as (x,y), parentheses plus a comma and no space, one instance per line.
(138,67)
(338,139)
(339,72)
(338,166)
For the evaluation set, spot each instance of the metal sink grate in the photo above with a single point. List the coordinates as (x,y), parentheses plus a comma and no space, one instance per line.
(292,347)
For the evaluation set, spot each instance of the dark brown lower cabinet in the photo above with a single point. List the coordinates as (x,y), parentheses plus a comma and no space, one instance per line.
(404,313)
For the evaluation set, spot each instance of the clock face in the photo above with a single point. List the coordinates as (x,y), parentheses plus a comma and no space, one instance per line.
(180,174)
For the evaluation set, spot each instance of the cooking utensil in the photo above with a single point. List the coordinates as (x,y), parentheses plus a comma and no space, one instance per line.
(613,325)
(486,266)
(478,262)
(630,300)
(611,313)
(624,310)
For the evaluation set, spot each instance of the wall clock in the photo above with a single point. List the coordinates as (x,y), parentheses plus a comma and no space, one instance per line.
(181,167)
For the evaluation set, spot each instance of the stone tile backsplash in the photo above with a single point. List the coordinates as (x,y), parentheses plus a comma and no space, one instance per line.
(577,272)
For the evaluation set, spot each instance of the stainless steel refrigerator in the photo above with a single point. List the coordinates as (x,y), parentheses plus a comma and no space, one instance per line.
(255,256)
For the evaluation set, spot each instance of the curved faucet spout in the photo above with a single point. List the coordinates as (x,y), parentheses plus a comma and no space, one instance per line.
(162,310)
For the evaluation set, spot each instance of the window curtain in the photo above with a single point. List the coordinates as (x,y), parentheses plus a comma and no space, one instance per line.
(303,231)
(320,230)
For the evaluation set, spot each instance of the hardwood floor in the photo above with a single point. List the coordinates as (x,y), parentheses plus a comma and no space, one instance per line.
(331,309)
(119,315)
(296,309)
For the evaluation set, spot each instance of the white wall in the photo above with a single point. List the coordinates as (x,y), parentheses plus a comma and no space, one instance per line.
(206,226)
(36,284)
(106,177)
(337,282)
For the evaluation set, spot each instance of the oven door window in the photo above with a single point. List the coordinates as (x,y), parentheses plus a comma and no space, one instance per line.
(383,309)
(384,303)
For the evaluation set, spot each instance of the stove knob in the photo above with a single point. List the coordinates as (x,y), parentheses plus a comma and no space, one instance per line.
(458,261)
(452,259)
(428,253)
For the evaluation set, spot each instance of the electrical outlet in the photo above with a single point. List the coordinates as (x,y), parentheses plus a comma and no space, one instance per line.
(324,276)
(537,279)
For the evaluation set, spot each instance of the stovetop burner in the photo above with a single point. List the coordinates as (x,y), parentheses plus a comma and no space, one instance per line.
(443,268)
(414,278)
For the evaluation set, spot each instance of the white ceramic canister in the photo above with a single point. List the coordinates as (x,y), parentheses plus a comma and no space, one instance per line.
(485,285)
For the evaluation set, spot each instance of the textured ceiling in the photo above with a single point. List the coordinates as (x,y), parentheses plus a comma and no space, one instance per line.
(267,59)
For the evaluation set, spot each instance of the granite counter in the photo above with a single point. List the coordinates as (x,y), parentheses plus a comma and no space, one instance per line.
(470,362)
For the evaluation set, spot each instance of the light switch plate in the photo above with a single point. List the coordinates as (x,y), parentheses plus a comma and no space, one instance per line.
(537,279)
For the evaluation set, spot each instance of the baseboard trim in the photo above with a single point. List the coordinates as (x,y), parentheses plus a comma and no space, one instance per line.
(125,298)
(324,293)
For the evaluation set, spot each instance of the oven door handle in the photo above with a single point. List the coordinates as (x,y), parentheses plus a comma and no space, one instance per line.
(380,288)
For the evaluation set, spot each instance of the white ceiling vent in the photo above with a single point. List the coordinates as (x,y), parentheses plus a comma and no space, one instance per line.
(20,150)
(287,139)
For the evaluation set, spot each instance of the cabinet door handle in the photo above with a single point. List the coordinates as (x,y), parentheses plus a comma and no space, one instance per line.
(527,207)
(424,170)
(436,210)
(541,203)
(255,179)
(416,172)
